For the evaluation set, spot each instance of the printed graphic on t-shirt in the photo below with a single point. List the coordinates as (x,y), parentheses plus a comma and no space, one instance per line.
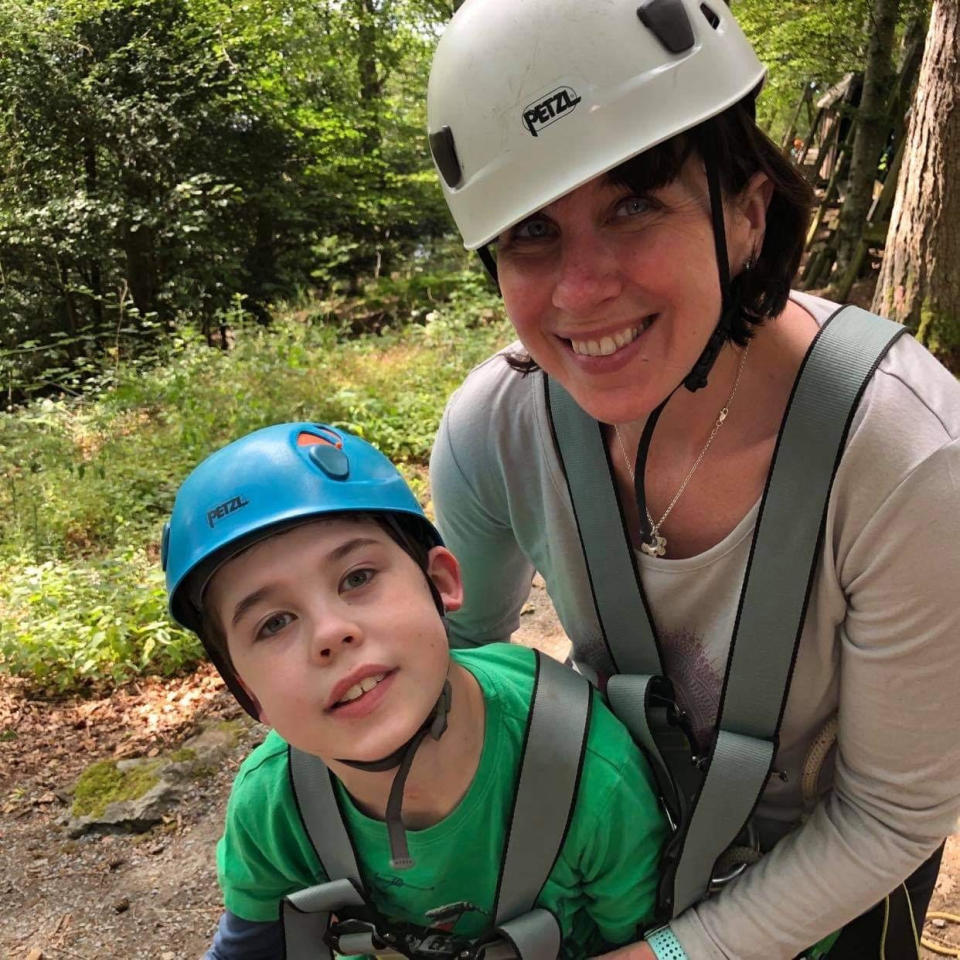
(696,681)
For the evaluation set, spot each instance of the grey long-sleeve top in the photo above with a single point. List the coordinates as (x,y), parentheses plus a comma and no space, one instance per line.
(880,648)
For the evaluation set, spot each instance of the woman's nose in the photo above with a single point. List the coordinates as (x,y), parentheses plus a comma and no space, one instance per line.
(589,276)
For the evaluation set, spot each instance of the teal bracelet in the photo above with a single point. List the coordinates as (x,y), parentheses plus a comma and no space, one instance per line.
(665,945)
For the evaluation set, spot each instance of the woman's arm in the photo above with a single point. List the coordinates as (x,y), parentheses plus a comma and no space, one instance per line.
(475,525)
(633,951)
(897,775)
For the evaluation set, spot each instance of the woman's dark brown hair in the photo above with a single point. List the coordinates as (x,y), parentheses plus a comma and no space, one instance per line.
(742,149)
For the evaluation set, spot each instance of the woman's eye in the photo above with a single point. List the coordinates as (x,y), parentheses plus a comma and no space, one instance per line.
(356,578)
(274,624)
(632,207)
(533,228)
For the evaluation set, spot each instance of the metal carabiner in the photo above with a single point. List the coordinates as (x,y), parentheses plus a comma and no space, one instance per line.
(739,855)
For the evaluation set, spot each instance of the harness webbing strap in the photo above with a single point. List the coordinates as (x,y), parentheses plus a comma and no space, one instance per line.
(534,935)
(773,600)
(611,565)
(317,802)
(793,512)
(306,913)
(777,583)
(306,916)
(546,789)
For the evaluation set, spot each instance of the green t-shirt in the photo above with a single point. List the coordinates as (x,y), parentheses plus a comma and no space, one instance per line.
(601,889)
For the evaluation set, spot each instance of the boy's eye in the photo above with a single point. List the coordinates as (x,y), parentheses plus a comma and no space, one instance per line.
(356,578)
(274,624)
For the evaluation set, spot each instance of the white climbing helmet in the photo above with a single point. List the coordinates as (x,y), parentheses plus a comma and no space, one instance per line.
(529,99)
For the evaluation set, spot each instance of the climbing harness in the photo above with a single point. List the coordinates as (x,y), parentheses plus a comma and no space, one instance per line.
(545,797)
(709,797)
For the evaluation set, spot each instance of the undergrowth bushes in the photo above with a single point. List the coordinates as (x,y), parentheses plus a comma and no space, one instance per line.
(85,483)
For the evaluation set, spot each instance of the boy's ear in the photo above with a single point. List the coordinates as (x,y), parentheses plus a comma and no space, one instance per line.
(443,569)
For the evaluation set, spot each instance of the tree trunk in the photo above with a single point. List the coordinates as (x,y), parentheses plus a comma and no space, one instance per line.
(919,282)
(371,78)
(873,127)
(138,245)
(96,276)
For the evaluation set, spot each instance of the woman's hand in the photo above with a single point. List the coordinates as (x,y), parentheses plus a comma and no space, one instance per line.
(632,951)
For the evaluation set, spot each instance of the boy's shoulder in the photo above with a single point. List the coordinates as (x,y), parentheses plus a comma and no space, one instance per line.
(265,771)
(511,662)
(507,671)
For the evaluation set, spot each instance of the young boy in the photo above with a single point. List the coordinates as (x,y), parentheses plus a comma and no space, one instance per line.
(318,587)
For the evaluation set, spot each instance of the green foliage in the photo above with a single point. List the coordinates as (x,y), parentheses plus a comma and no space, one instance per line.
(70,624)
(85,484)
(807,42)
(165,161)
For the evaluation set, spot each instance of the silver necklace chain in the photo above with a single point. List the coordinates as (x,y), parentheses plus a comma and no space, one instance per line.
(656,546)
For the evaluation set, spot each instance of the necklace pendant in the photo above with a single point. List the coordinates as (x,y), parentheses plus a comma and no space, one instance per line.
(656,546)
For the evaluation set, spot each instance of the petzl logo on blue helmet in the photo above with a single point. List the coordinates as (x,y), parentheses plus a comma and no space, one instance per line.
(549,109)
(223,509)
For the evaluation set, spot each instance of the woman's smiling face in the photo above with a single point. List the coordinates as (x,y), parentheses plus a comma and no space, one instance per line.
(615,294)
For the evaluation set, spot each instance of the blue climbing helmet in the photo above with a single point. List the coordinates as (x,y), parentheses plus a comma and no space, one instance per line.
(267,481)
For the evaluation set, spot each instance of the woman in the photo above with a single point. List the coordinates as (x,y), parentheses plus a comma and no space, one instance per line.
(604,161)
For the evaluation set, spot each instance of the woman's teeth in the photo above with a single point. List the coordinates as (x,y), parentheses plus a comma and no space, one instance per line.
(359,689)
(608,345)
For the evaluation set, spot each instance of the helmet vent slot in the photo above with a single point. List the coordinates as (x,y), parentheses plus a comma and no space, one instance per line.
(667,20)
(445,154)
(323,435)
(712,17)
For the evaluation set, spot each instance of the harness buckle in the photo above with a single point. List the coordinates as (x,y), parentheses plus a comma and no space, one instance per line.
(744,851)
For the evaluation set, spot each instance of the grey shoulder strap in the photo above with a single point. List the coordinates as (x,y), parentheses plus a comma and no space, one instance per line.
(836,370)
(611,566)
(546,795)
(317,804)
(306,913)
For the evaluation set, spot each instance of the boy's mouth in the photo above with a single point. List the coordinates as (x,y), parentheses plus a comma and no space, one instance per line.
(359,689)
(357,684)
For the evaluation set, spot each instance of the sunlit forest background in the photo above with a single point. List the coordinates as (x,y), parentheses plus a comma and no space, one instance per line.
(216,215)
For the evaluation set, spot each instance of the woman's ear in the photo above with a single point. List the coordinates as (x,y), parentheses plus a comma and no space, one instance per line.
(751,205)
(444,570)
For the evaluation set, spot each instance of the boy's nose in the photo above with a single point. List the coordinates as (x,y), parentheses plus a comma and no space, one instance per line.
(330,638)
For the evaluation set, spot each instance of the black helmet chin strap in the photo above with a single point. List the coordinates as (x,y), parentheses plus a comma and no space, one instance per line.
(402,757)
(696,379)
(729,293)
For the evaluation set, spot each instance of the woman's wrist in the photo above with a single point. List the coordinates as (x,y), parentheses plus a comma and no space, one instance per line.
(664,945)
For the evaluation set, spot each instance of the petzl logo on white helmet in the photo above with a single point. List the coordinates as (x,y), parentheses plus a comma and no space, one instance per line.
(549,109)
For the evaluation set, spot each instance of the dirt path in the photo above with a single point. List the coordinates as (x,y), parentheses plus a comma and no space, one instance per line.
(152,896)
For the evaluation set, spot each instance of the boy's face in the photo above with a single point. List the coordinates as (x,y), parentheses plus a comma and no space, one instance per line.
(333,631)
